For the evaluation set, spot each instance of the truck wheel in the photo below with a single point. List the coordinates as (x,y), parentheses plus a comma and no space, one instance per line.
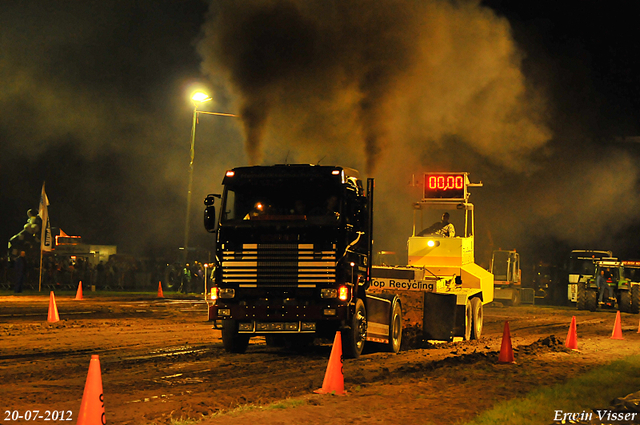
(582,297)
(354,337)
(635,299)
(468,321)
(395,328)
(625,301)
(232,341)
(591,299)
(478,318)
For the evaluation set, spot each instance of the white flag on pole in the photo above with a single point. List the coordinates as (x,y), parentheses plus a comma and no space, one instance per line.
(46,242)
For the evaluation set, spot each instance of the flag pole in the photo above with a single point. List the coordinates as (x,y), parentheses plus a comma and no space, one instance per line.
(42,232)
(40,272)
(45,231)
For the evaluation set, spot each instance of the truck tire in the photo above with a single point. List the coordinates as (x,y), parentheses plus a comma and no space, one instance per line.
(635,299)
(582,297)
(624,304)
(468,321)
(354,337)
(478,318)
(395,328)
(232,341)
(591,299)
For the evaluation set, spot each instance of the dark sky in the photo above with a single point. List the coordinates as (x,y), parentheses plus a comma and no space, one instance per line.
(537,101)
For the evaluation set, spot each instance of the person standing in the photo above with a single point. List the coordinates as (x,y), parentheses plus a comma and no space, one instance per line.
(185,285)
(20,267)
(601,282)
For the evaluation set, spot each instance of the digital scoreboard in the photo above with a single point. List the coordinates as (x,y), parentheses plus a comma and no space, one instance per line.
(445,186)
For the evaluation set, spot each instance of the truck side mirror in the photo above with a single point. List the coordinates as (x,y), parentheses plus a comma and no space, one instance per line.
(210,213)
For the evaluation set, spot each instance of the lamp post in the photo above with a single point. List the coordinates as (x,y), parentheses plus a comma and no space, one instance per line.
(197,98)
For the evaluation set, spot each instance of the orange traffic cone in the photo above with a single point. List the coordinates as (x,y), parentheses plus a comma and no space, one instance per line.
(333,378)
(506,350)
(53,310)
(79,292)
(160,294)
(617,328)
(572,336)
(92,406)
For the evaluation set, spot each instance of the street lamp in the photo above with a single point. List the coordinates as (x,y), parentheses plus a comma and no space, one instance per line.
(198,98)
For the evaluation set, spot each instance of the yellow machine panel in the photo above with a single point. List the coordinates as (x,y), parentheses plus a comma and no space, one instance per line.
(432,251)
(475,276)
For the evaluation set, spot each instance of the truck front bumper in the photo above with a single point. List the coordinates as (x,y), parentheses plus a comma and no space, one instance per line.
(260,327)
(278,318)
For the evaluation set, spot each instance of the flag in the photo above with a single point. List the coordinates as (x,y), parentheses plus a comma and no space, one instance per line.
(63,234)
(46,243)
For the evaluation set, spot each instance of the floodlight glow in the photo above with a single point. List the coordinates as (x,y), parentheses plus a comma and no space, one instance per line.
(200,97)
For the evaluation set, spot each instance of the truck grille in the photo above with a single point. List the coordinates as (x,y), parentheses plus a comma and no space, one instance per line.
(278,265)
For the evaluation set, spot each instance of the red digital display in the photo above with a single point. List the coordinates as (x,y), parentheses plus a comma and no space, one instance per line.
(444,186)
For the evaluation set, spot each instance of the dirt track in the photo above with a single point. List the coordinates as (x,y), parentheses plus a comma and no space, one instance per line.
(160,360)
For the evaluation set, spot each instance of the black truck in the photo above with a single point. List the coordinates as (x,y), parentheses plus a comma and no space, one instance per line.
(293,259)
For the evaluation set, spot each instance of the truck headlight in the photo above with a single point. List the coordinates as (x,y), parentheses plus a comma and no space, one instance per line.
(329,293)
(291,326)
(245,326)
(226,292)
(307,326)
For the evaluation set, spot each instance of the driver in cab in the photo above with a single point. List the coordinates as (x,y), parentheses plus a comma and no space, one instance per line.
(441,228)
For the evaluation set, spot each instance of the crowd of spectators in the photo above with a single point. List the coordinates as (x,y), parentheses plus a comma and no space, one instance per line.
(119,273)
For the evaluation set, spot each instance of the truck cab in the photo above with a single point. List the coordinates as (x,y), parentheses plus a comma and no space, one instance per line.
(293,258)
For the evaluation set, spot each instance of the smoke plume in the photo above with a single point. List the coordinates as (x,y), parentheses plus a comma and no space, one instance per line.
(385,75)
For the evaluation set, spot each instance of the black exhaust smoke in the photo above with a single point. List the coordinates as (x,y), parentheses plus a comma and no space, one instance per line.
(274,52)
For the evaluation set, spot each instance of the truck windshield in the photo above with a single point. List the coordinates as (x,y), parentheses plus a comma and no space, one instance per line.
(288,200)
(500,265)
(584,266)
(584,262)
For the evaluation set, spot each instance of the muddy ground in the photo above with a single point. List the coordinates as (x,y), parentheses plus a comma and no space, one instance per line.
(161,360)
